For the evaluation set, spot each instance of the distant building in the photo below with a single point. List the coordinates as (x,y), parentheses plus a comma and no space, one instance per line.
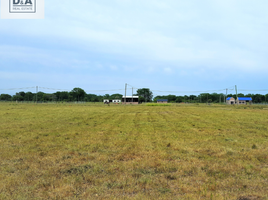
(240,100)
(107,101)
(230,100)
(162,101)
(130,99)
(116,101)
(244,100)
(111,101)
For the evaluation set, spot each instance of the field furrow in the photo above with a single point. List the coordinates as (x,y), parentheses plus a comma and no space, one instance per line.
(94,151)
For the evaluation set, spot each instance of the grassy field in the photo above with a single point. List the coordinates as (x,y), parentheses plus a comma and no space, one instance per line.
(95,151)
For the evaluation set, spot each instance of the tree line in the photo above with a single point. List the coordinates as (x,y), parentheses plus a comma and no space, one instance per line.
(211,98)
(145,95)
(77,94)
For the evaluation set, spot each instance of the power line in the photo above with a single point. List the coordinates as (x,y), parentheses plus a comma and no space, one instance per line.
(84,90)
(187,91)
(103,90)
(54,89)
(253,90)
(19,88)
(230,88)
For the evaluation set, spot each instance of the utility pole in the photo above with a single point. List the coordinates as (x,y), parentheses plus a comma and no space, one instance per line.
(220,99)
(226,95)
(236,94)
(144,97)
(125,93)
(132,95)
(36,93)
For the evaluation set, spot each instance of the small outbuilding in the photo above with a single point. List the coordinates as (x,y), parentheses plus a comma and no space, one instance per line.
(130,100)
(162,101)
(107,101)
(244,100)
(116,101)
(230,100)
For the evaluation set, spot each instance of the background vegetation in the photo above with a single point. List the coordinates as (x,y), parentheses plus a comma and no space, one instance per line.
(145,95)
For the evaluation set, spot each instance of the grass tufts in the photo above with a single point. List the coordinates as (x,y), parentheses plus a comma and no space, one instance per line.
(77,170)
(158,104)
(163,151)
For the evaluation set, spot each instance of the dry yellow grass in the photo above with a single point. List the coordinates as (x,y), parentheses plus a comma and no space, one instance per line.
(93,151)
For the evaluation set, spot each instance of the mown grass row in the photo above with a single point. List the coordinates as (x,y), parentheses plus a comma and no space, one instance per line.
(87,151)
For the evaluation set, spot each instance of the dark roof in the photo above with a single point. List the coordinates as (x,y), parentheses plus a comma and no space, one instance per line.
(245,98)
(162,100)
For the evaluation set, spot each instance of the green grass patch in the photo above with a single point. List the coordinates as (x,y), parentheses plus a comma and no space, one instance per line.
(158,104)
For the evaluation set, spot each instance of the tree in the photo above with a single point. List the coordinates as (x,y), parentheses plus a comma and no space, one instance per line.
(49,97)
(28,96)
(171,98)
(94,98)
(185,98)
(62,96)
(78,94)
(40,96)
(266,98)
(258,98)
(116,96)
(17,98)
(106,96)
(192,98)
(179,99)
(158,97)
(205,97)
(145,95)
(215,97)
(5,97)
(21,94)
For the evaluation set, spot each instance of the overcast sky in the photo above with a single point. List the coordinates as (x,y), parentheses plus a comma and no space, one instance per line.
(171,46)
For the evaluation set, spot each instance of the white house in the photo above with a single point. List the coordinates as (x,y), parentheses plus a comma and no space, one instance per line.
(130,99)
